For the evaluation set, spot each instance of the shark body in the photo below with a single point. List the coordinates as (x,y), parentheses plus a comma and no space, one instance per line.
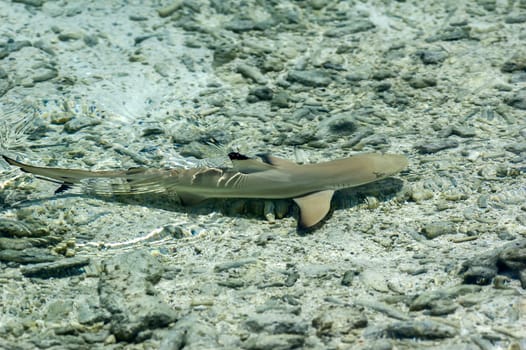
(311,186)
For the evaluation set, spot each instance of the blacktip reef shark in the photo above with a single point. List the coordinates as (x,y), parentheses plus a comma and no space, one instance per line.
(311,186)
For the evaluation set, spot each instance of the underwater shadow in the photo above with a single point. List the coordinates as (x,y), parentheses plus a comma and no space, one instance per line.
(382,190)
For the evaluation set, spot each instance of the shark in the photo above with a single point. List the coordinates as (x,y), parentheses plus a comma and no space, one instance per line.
(311,186)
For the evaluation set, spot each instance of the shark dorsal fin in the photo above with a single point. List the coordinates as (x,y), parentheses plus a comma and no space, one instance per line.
(313,208)
(250,166)
(276,161)
(247,165)
(266,161)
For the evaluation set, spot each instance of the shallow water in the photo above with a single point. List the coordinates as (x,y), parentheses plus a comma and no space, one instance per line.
(431,258)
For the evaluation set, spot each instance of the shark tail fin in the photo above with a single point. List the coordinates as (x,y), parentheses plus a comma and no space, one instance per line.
(134,180)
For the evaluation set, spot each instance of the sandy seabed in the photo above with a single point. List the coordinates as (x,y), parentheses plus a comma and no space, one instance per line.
(434,258)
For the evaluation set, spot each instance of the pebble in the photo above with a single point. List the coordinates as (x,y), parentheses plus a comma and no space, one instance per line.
(509,260)
(14,228)
(138,18)
(127,152)
(372,140)
(70,36)
(340,124)
(5,84)
(14,45)
(438,228)
(356,26)
(436,146)
(315,78)
(304,112)
(92,338)
(441,301)
(432,56)
(56,269)
(381,87)
(292,278)
(488,5)
(90,40)
(421,82)
(521,219)
(234,264)
(516,148)
(339,321)
(382,307)
(232,282)
(517,77)
(125,291)
(382,74)
(14,243)
(35,3)
(348,277)
(317,4)
(277,323)
(501,282)
(224,54)
(379,344)
(27,256)
(246,25)
(480,275)
(462,131)
(452,33)
(419,329)
(356,77)
(441,308)
(512,260)
(192,133)
(78,123)
(517,100)
(358,136)
(260,94)
(301,138)
(89,311)
(173,340)
(515,19)
(375,279)
(505,235)
(280,99)
(272,64)
(191,332)
(170,9)
(279,305)
(503,171)
(44,75)
(482,201)
(44,46)
(252,73)
(274,342)
(516,63)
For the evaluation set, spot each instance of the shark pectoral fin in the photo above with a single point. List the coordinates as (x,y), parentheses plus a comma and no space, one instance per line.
(313,208)
(190,198)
